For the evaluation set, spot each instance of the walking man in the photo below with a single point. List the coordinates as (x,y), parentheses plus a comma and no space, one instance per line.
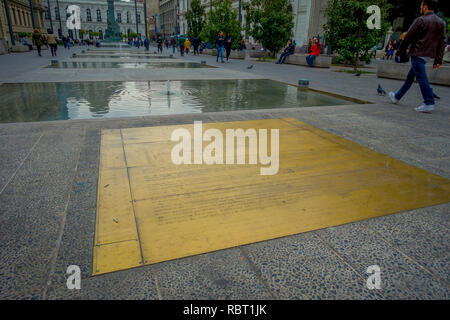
(181,41)
(160,44)
(37,40)
(220,43)
(426,38)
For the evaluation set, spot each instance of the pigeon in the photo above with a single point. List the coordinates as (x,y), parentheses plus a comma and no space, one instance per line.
(250,67)
(358,74)
(381,91)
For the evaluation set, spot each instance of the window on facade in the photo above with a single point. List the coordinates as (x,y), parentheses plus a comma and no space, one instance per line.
(138,17)
(128,17)
(119,17)
(88,15)
(99,15)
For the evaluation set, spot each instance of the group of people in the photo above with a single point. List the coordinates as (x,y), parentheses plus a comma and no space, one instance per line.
(313,51)
(39,40)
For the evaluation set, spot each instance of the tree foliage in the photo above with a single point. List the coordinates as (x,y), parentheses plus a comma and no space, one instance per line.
(346,29)
(195,19)
(222,18)
(269,22)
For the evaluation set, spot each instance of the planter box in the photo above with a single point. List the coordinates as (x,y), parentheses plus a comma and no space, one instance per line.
(399,71)
(3,46)
(20,48)
(322,61)
(256,54)
(236,54)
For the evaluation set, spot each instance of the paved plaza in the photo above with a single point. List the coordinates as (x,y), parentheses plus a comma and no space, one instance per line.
(49,186)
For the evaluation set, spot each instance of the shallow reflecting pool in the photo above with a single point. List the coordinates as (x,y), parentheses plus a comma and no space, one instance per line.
(122,56)
(85,100)
(126,65)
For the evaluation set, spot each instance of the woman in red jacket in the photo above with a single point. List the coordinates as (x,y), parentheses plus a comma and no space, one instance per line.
(313,52)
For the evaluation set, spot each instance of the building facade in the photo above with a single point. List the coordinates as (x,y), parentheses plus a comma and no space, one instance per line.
(153,17)
(169,17)
(94,15)
(21,18)
(309,17)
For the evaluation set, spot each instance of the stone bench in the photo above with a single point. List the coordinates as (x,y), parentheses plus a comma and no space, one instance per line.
(399,71)
(20,48)
(322,61)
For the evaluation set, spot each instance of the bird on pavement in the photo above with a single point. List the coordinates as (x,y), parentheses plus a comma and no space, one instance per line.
(250,67)
(381,91)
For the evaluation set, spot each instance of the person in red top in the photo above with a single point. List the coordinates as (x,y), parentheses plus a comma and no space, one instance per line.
(313,52)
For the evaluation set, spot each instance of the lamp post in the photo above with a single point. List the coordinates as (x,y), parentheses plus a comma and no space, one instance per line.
(145,18)
(8,17)
(59,18)
(135,10)
(32,14)
(50,16)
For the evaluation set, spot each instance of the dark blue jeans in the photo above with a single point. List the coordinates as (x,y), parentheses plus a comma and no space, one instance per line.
(310,60)
(283,57)
(220,53)
(417,72)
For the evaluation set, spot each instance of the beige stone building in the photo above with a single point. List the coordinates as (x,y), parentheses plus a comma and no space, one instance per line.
(21,19)
(153,17)
(309,17)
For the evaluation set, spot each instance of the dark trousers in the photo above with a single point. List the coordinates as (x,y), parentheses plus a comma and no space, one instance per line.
(417,72)
(195,50)
(228,52)
(38,47)
(160,48)
(53,48)
(182,50)
(283,57)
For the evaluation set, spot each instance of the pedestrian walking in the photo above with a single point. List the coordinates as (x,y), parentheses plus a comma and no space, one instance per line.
(52,42)
(147,44)
(228,43)
(160,44)
(173,42)
(220,43)
(187,45)
(425,39)
(37,40)
(195,44)
(181,41)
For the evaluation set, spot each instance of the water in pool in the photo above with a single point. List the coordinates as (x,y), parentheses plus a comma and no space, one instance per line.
(86,100)
(126,65)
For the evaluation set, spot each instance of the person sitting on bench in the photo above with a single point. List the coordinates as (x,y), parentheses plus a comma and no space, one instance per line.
(313,52)
(290,48)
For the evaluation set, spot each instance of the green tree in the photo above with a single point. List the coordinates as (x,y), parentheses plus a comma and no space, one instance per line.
(222,18)
(195,19)
(269,22)
(346,29)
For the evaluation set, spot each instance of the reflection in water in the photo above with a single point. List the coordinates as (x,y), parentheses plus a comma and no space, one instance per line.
(84,100)
(127,65)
